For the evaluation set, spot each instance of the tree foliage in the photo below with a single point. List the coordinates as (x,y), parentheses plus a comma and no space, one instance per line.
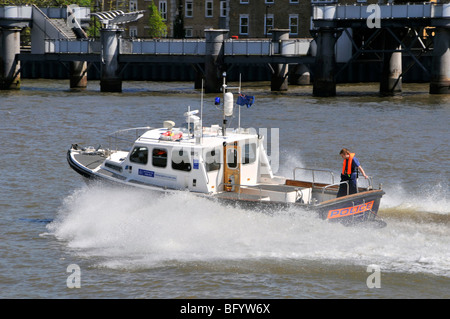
(157,27)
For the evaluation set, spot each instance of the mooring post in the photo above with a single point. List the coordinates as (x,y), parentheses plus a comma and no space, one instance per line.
(279,79)
(324,76)
(78,75)
(110,79)
(214,59)
(9,62)
(440,65)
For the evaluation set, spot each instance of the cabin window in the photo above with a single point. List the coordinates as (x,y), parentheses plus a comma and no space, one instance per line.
(159,157)
(232,157)
(212,160)
(249,153)
(181,160)
(139,155)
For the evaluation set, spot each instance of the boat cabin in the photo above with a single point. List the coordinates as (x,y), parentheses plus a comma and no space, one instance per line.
(205,160)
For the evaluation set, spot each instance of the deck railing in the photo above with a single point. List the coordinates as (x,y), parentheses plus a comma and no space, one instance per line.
(117,137)
(313,172)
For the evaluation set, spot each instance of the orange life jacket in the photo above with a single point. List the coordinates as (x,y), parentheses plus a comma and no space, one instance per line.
(347,165)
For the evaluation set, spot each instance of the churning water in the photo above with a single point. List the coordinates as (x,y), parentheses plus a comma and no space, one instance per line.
(134,244)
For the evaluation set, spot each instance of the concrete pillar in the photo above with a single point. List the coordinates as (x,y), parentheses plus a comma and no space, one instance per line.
(390,82)
(300,75)
(78,75)
(214,59)
(110,80)
(324,76)
(279,79)
(9,62)
(440,65)
(198,76)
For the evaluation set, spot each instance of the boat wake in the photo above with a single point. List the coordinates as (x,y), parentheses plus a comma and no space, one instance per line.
(429,206)
(128,229)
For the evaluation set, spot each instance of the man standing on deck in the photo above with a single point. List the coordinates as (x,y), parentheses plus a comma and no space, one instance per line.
(349,173)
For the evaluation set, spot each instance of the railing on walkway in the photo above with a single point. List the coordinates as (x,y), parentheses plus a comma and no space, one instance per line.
(387,11)
(164,46)
(72,46)
(260,47)
(267,47)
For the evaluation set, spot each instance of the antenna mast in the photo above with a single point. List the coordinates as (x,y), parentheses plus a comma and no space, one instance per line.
(224,90)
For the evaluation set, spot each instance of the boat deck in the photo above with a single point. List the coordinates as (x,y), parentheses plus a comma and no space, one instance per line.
(91,161)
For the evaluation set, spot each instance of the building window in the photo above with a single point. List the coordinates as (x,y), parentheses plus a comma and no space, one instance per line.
(159,157)
(209,8)
(244,1)
(270,1)
(163,10)
(133,5)
(139,155)
(293,1)
(223,9)
(189,8)
(293,24)
(132,32)
(243,24)
(268,23)
(188,32)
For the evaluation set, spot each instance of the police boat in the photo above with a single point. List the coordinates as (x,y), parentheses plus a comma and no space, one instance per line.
(227,165)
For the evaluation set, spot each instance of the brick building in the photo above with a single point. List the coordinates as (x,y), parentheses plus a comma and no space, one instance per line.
(244,18)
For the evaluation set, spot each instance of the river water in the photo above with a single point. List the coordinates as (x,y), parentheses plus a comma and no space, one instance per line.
(130,244)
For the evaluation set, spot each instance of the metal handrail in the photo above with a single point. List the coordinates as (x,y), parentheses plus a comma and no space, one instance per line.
(260,190)
(315,170)
(369,186)
(370,183)
(336,184)
(116,138)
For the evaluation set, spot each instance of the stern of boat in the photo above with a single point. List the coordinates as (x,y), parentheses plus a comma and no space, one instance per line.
(353,209)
